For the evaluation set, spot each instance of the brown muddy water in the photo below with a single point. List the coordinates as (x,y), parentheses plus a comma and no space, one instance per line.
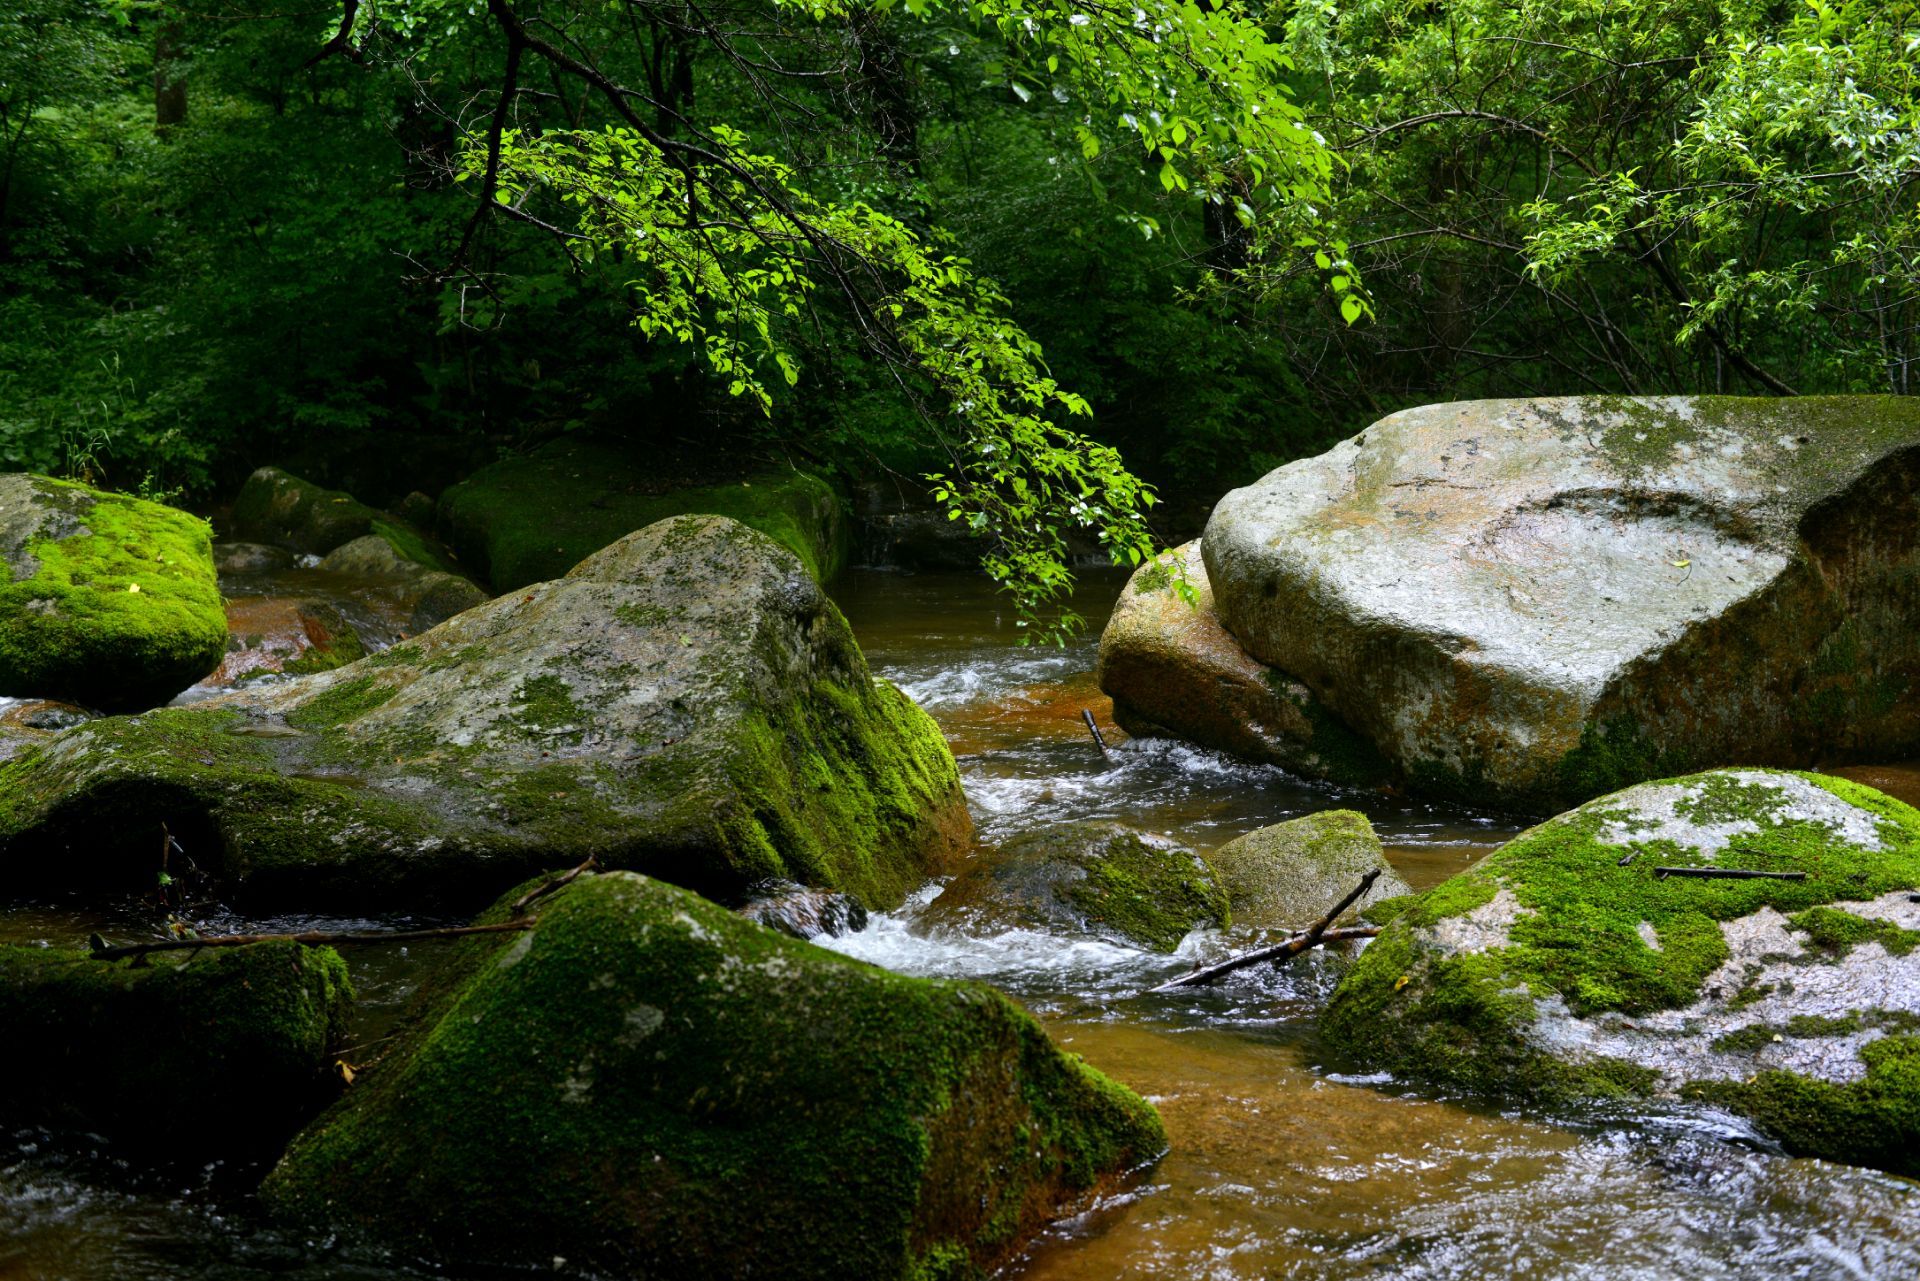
(1285,1162)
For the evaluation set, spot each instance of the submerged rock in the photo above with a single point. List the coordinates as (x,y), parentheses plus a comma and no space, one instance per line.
(527,519)
(1088,878)
(105,600)
(1290,874)
(648,1085)
(1530,602)
(27,723)
(220,1053)
(1564,965)
(686,702)
(251,558)
(1174,672)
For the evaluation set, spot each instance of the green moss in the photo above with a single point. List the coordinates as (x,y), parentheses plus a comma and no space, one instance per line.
(1614,754)
(1577,933)
(544,707)
(1875,1121)
(1840,932)
(691,1094)
(410,544)
(125,614)
(1149,894)
(526,520)
(342,702)
(217,1053)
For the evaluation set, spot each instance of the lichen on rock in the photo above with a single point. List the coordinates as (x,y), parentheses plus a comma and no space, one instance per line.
(650,1085)
(1566,965)
(105,600)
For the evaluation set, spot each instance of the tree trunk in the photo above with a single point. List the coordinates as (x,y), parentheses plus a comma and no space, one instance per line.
(169,79)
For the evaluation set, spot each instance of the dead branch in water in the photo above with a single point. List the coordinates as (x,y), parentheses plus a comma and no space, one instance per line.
(104,951)
(1094,730)
(1321,931)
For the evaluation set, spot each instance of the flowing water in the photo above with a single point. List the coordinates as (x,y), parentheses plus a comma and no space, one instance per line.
(1285,1163)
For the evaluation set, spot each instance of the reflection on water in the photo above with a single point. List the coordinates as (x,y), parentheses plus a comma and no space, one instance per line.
(1282,1164)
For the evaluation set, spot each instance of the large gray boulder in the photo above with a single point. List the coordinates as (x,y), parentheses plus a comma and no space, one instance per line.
(1174,672)
(686,702)
(1529,602)
(1568,965)
(648,1085)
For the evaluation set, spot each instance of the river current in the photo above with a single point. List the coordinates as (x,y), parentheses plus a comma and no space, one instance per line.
(1285,1162)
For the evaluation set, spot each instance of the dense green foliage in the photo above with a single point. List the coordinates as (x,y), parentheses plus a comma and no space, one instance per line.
(1003,242)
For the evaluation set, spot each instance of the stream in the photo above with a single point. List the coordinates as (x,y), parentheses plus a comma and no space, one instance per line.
(1285,1163)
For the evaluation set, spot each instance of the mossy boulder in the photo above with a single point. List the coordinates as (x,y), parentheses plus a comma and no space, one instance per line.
(531,518)
(1290,874)
(1567,965)
(1174,672)
(646,1084)
(280,509)
(1100,879)
(1527,603)
(225,1052)
(687,703)
(430,596)
(105,600)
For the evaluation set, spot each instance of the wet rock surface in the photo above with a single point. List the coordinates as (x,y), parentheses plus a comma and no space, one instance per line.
(429,596)
(1567,965)
(1099,879)
(105,600)
(1289,875)
(798,912)
(271,636)
(1532,602)
(648,1085)
(1173,671)
(687,703)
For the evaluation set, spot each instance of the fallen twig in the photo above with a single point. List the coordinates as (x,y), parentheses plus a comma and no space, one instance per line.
(548,886)
(1727,874)
(1321,931)
(105,951)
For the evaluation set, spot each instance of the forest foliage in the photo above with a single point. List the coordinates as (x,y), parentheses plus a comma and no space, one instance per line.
(1059,255)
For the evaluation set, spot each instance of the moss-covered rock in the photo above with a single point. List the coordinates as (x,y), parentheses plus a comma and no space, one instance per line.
(1566,965)
(220,1053)
(1291,873)
(1087,878)
(1174,672)
(526,519)
(278,508)
(648,1085)
(105,600)
(687,703)
(1532,602)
